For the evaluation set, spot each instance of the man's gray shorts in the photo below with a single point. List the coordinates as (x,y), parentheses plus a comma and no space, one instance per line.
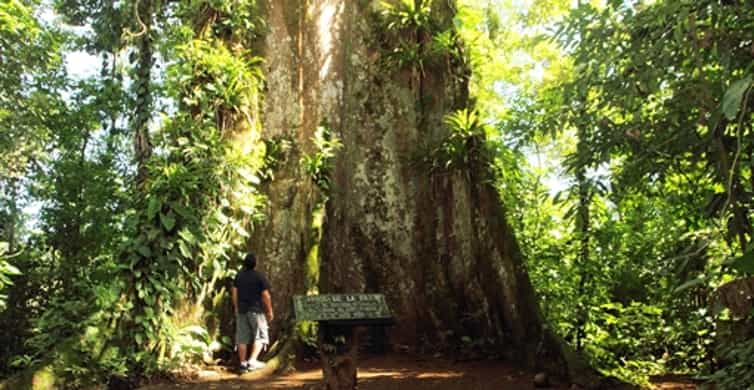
(251,324)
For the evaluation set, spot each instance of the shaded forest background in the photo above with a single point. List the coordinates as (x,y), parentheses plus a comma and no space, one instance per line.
(618,134)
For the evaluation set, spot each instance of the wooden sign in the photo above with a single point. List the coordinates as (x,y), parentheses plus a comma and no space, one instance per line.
(342,308)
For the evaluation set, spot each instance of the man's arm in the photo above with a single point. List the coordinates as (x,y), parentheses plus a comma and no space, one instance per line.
(267,302)
(234,294)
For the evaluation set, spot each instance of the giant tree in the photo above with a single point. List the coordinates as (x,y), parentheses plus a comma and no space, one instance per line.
(412,211)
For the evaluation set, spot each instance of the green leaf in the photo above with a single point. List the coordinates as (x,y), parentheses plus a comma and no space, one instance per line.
(744,263)
(196,330)
(248,175)
(221,217)
(185,251)
(153,206)
(9,269)
(144,251)
(155,283)
(188,236)
(152,233)
(181,210)
(168,221)
(734,95)
(690,284)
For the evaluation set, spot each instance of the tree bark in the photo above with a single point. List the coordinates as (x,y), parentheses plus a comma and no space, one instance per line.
(291,113)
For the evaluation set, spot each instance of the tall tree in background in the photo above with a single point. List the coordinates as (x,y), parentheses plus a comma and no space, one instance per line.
(661,94)
(682,106)
(28,102)
(30,85)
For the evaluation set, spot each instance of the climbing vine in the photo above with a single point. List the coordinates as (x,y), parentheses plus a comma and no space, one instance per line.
(6,271)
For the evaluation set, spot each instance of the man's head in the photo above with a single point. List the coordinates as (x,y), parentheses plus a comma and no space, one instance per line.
(250,261)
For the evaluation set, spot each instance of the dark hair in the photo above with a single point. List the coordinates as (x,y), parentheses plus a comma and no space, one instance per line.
(250,261)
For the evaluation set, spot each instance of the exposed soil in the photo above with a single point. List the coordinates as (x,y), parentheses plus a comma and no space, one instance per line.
(389,372)
(673,382)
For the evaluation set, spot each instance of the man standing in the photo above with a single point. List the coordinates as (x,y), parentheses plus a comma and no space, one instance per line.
(251,298)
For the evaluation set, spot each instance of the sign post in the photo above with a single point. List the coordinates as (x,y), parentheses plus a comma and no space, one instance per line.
(338,316)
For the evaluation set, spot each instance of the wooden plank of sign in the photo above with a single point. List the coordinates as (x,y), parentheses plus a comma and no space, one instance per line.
(343,309)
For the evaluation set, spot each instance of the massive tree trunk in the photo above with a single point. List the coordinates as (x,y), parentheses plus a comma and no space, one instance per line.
(290,117)
(435,242)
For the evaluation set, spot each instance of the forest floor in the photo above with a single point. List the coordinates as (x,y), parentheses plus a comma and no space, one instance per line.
(388,372)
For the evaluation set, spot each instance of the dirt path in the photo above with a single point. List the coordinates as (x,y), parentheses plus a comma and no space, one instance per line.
(390,372)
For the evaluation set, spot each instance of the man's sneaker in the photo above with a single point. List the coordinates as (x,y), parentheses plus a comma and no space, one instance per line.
(244,368)
(256,364)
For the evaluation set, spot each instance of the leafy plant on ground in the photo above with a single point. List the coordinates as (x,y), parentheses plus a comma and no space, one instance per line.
(194,344)
(737,371)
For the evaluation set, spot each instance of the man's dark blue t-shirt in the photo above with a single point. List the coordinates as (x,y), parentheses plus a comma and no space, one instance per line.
(250,285)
